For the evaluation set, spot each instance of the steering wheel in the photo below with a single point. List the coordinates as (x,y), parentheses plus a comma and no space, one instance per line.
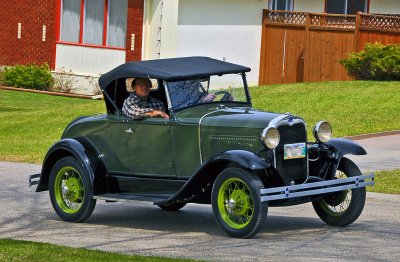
(227,96)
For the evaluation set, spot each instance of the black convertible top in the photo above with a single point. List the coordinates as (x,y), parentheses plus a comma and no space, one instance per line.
(171,69)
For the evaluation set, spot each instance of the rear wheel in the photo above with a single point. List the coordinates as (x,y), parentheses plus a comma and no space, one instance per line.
(236,203)
(70,190)
(344,207)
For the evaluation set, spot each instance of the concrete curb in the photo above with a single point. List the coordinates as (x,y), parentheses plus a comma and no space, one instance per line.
(51,93)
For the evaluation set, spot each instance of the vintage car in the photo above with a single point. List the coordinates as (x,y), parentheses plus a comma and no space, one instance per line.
(221,152)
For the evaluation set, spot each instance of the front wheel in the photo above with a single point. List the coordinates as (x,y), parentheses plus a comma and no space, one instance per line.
(236,203)
(344,207)
(70,190)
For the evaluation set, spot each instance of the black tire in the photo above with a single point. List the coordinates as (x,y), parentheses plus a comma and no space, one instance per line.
(236,202)
(172,207)
(342,208)
(70,190)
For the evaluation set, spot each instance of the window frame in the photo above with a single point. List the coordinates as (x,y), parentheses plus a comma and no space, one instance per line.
(366,6)
(271,4)
(81,27)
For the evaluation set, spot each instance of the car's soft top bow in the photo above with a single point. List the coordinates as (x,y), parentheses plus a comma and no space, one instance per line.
(172,69)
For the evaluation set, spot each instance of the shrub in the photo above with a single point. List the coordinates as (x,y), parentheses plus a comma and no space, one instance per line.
(29,76)
(1,76)
(64,80)
(376,62)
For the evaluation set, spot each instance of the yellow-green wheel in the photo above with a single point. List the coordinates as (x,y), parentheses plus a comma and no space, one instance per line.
(236,202)
(70,190)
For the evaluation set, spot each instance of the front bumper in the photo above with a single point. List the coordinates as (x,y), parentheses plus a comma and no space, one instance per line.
(317,188)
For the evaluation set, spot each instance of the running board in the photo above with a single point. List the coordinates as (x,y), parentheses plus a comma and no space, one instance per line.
(317,188)
(133,197)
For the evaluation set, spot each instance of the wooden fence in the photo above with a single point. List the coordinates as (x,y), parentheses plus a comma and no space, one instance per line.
(306,47)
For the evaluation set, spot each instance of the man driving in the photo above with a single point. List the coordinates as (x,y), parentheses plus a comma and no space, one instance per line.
(140,104)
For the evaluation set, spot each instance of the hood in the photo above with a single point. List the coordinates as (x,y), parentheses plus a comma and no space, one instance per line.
(229,117)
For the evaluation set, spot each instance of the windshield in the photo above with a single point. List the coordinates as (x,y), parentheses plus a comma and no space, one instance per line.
(216,89)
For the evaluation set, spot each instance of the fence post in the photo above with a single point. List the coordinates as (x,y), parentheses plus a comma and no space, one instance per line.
(357,32)
(263,69)
(306,47)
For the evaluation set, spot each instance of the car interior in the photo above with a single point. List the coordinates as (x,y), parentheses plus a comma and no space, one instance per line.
(118,90)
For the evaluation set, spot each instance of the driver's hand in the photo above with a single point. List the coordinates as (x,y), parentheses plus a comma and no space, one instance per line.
(158,113)
(208,98)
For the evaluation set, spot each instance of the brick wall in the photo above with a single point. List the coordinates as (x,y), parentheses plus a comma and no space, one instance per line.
(135,26)
(32,14)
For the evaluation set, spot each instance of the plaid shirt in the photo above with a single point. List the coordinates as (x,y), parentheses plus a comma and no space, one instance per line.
(136,107)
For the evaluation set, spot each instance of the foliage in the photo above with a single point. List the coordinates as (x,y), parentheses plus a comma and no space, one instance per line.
(29,76)
(15,250)
(1,76)
(376,62)
(64,80)
(386,182)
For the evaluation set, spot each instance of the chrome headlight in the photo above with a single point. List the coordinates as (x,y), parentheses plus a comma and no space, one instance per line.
(322,131)
(270,137)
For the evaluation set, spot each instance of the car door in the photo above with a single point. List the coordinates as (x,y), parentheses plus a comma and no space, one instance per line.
(149,147)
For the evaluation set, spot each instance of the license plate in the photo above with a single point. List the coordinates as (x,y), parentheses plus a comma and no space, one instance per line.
(293,151)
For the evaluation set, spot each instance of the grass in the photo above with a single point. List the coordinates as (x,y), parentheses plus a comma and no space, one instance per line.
(386,182)
(30,123)
(352,108)
(15,250)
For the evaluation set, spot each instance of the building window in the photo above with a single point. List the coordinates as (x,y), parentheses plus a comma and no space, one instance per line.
(70,20)
(285,5)
(347,7)
(104,22)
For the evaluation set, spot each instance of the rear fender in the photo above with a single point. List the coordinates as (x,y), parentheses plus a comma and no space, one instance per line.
(198,187)
(84,151)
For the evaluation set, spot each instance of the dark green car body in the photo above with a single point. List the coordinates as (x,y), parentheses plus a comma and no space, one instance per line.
(176,161)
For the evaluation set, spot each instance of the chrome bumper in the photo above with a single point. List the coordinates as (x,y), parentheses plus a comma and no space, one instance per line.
(317,188)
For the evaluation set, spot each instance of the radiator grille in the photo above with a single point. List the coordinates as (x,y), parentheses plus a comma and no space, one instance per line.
(292,169)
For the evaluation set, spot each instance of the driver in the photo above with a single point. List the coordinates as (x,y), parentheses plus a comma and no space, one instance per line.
(140,104)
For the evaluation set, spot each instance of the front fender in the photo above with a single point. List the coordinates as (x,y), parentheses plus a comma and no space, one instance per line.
(84,152)
(198,187)
(242,158)
(346,147)
(332,153)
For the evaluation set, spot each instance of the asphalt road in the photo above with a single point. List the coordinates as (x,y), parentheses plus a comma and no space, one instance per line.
(290,234)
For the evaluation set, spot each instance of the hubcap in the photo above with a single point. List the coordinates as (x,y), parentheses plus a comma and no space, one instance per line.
(235,203)
(68,190)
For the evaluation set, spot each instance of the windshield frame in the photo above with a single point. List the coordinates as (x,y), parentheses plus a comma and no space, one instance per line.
(245,87)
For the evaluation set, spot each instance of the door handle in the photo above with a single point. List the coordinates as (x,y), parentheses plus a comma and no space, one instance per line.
(129,131)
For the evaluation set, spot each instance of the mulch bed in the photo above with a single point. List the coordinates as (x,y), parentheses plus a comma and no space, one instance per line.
(51,93)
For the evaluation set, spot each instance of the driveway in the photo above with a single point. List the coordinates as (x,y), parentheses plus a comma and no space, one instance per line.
(291,233)
(383,153)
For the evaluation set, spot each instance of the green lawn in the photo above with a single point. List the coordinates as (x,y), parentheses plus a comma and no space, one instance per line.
(13,250)
(30,123)
(352,108)
(386,182)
